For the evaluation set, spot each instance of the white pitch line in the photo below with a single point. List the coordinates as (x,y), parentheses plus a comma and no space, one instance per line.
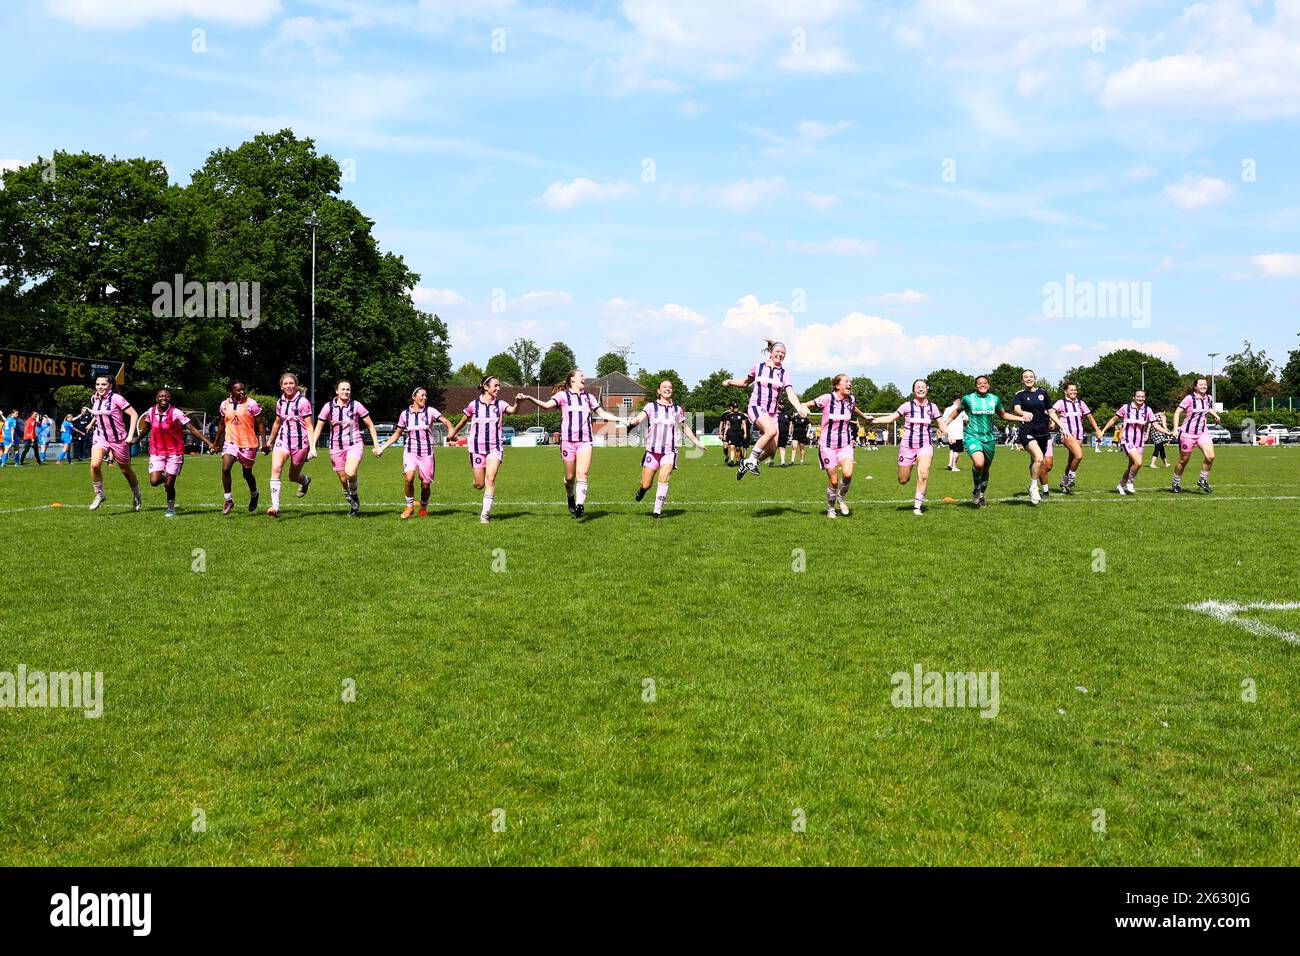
(1228,613)
(815,503)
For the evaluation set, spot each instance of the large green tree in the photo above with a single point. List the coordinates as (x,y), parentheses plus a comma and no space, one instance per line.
(526,354)
(1290,376)
(469,374)
(504,367)
(610,362)
(1113,378)
(947,385)
(83,239)
(710,395)
(557,363)
(90,249)
(650,382)
(255,200)
(1247,375)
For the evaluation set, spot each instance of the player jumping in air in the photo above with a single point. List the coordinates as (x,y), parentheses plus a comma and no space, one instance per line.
(662,416)
(113,436)
(769,380)
(416,423)
(981,440)
(1036,436)
(1197,406)
(290,439)
(166,425)
(1136,418)
(486,442)
(1071,411)
(577,407)
(240,433)
(835,445)
(344,414)
(914,446)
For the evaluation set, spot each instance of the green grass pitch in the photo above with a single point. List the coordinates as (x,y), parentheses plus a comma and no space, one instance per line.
(501,671)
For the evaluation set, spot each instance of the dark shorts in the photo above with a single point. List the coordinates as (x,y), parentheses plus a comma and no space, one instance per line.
(1042,439)
(957,445)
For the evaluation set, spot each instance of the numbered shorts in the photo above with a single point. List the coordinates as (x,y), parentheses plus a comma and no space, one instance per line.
(832,458)
(569,449)
(339,457)
(988,446)
(422,465)
(1202,441)
(657,459)
(908,454)
(478,459)
(246,456)
(168,464)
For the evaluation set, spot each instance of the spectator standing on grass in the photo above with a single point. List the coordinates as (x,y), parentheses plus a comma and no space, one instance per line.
(956,435)
(81,435)
(30,427)
(1158,442)
(782,435)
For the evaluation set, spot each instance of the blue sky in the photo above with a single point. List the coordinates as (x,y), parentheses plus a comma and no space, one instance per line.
(887,187)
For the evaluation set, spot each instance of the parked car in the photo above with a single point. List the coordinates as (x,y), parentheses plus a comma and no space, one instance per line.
(538,434)
(1218,434)
(383,429)
(508,434)
(1293,436)
(1273,431)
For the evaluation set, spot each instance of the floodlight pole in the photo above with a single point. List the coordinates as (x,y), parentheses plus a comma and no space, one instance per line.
(313,222)
(1214,392)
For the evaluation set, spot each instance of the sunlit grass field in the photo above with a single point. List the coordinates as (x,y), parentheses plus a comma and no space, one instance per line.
(625,691)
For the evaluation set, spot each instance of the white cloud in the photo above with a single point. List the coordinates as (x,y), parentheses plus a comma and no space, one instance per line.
(1236,276)
(431,299)
(123,14)
(316,36)
(1196,191)
(830,59)
(691,109)
(817,200)
(1279,264)
(561,196)
(834,247)
(1030,82)
(1158,348)
(744,194)
(807,134)
(539,301)
(862,342)
(1229,65)
(906,297)
(721,39)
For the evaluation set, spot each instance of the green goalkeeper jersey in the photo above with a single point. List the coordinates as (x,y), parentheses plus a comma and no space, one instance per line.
(982,410)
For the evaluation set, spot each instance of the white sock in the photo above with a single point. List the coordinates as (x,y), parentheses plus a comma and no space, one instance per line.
(229,496)
(580,491)
(661,495)
(275,493)
(487,504)
(753,456)
(918,500)
(410,501)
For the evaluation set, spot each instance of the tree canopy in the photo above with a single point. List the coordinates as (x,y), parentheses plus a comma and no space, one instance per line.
(87,244)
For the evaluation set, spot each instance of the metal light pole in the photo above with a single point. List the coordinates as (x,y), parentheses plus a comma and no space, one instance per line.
(1144,376)
(1214,392)
(313,222)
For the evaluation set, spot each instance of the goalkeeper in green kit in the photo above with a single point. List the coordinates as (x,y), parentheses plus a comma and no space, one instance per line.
(981,407)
